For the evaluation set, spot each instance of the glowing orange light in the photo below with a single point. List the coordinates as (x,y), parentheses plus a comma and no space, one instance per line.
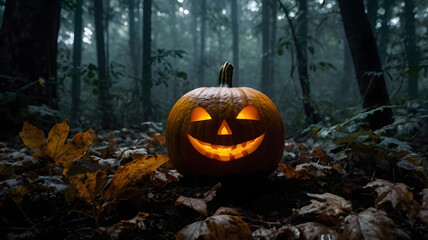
(224,129)
(249,113)
(199,114)
(223,152)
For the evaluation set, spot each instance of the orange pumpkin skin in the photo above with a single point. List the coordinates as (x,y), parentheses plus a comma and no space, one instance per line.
(224,104)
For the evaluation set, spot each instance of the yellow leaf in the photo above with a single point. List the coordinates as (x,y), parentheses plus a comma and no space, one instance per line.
(88,185)
(76,148)
(33,138)
(56,139)
(54,150)
(134,170)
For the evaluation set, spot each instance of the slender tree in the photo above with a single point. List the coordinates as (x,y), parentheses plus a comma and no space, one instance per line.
(274,13)
(201,70)
(235,33)
(147,82)
(103,86)
(77,60)
(372,7)
(384,29)
(28,49)
(194,30)
(368,68)
(132,38)
(411,49)
(265,82)
(311,113)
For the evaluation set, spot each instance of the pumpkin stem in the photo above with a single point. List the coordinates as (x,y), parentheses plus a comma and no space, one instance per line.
(225,75)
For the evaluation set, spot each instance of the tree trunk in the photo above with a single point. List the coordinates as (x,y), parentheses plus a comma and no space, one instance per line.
(372,7)
(235,33)
(195,32)
(368,68)
(311,113)
(411,51)
(103,86)
(201,70)
(346,73)
(265,81)
(384,29)
(132,38)
(147,82)
(77,60)
(274,10)
(28,49)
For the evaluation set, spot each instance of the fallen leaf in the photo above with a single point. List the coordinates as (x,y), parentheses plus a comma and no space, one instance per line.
(314,169)
(33,138)
(315,231)
(227,211)
(289,172)
(88,185)
(333,200)
(164,177)
(331,208)
(209,195)
(54,149)
(288,232)
(263,233)
(159,138)
(196,204)
(56,140)
(125,229)
(369,224)
(74,149)
(216,227)
(397,194)
(133,171)
(424,194)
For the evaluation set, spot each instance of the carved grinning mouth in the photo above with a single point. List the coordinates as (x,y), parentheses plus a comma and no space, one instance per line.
(223,152)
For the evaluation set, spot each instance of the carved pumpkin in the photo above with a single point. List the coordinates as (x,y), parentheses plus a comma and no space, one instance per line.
(224,131)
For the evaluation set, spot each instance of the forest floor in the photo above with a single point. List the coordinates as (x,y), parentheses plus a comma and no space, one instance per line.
(336,182)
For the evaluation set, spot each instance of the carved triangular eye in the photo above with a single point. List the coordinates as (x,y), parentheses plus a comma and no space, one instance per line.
(249,113)
(199,114)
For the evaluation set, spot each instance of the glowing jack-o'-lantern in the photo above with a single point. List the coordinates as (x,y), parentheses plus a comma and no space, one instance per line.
(223,131)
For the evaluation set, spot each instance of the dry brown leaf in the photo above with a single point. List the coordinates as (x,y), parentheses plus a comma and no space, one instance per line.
(288,232)
(159,138)
(125,229)
(369,224)
(289,172)
(263,233)
(216,227)
(196,204)
(164,177)
(424,194)
(331,209)
(227,211)
(209,195)
(133,171)
(314,169)
(334,200)
(88,185)
(397,194)
(315,231)
(54,149)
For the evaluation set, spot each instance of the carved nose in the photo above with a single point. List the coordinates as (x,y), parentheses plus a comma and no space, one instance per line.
(224,129)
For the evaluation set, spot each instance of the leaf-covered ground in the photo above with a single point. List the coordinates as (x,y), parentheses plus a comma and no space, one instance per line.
(336,182)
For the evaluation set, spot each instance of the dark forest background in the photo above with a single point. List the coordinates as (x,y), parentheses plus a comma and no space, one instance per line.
(117,63)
